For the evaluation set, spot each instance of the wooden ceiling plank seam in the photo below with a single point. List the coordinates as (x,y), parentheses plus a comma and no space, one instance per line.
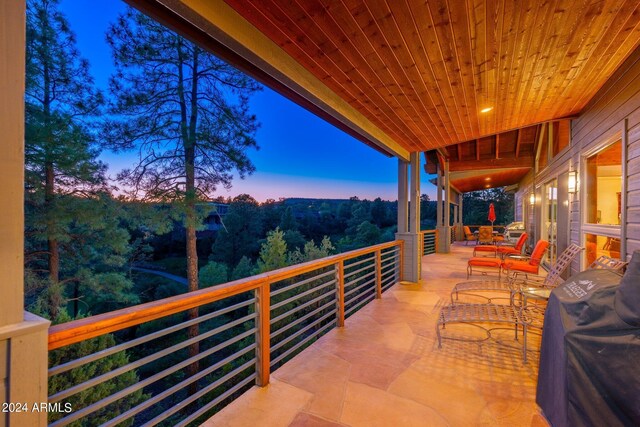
(508,90)
(476,35)
(506,48)
(494,49)
(559,72)
(583,59)
(435,58)
(417,59)
(422,93)
(615,76)
(398,133)
(391,75)
(449,64)
(392,122)
(573,28)
(538,36)
(393,25)
(412,115)
(538,32)
(580,62)
(432,110)
(525,44)
(540,77)
(610,66)
(477,85)
(457,13)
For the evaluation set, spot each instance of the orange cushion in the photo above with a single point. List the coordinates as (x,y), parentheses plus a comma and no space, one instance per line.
(523,266)
(507,250)
(485,262)
(484,248)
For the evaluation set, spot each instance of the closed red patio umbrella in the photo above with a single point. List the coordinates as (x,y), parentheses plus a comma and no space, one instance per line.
(492,213)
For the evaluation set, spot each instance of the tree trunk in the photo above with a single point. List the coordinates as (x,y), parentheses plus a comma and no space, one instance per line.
(190,223)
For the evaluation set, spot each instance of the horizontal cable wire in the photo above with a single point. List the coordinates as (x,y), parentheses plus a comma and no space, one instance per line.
(152,379)
(141,362)
(302,319)
(301,343)
(149,337)
(303,294)
(168,392)
(301,331)
(302,282)
(300,307)
(166,414)
(346,294)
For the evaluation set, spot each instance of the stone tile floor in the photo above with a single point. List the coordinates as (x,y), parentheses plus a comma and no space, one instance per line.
(384,368)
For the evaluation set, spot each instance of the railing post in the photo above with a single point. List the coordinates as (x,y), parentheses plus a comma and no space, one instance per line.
(340,292)
(437,239)
(263,338)
(378,274)
(401,261)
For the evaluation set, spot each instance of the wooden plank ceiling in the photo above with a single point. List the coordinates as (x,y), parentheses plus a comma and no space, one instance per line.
(422,70)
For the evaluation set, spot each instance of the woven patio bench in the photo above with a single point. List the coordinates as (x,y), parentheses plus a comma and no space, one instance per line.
(484,313)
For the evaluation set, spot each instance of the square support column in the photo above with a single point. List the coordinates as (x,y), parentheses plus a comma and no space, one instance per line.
(403,201)
(23,337)
(410,233)
(444,227)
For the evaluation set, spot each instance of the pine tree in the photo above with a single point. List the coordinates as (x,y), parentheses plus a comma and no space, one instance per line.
(273,253)
(212,274)
(72,236)
(187,115)
(184,111)
(245,268)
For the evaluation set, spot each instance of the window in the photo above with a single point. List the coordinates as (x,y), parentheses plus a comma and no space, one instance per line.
(604,186)
(598,245)
(550,219)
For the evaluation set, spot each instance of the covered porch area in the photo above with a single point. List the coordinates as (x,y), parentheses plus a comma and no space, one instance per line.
(385,368)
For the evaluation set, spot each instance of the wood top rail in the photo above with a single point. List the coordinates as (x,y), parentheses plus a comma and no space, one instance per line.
(90,327)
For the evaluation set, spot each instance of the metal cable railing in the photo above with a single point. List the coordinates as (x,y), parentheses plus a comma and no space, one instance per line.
(179,360)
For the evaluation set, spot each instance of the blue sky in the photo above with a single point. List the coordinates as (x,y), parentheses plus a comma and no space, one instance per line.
(300,154)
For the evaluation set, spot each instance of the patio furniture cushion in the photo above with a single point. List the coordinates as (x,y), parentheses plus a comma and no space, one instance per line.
(485,248)
(523,266)
(483,261)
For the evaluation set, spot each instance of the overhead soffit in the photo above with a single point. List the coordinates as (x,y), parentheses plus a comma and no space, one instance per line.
(422,71)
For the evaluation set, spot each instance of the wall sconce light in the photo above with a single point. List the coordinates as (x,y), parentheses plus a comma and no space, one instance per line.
(532,199)
(573,181)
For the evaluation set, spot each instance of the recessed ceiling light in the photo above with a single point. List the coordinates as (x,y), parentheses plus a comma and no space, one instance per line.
(486,110)
(487,186)
(488,178)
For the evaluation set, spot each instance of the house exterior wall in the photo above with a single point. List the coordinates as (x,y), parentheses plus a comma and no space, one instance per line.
(613,113)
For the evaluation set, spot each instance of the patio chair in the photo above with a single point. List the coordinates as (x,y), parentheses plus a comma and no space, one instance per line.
(504,249)
(527,264)
(515,280)
(485,235)
(468,235)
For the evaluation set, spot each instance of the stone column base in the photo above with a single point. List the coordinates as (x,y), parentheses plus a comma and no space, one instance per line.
(444,239)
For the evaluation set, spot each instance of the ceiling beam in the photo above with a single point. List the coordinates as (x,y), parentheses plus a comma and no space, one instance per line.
(477,149)
(467,165)
(459,146)
(497,146)
(518,141)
